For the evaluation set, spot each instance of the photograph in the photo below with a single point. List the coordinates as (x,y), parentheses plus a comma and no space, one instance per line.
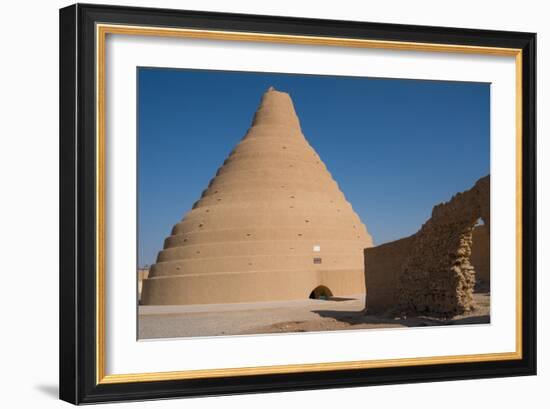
(288,203)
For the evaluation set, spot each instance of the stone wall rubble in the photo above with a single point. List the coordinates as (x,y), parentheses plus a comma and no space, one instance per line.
(435,274)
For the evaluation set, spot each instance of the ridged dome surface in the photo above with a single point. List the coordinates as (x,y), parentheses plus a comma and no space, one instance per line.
(271,225)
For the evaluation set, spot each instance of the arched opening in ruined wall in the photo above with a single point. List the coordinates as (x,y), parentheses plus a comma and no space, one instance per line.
(480,256)
(438,274)
(320,292)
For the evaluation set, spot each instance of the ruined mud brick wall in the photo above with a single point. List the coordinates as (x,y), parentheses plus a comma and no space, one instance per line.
(383,269)
(438,276)
(432,273)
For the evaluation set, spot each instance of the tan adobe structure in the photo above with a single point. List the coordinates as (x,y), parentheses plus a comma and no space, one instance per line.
(142,274)
(271,225)
(434,270)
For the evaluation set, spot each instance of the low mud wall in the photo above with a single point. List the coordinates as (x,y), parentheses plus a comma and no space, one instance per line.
(383,269)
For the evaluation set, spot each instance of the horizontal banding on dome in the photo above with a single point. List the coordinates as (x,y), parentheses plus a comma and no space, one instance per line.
(272,212)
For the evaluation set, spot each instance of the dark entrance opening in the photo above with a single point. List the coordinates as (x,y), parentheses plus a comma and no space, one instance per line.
(320,293)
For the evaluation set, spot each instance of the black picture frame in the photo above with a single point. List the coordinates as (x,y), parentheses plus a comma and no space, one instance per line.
(78,309)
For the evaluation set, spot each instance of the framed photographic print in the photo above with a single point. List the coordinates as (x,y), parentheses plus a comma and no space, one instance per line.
(258,203)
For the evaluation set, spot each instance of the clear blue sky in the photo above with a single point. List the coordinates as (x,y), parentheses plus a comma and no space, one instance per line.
(396,147)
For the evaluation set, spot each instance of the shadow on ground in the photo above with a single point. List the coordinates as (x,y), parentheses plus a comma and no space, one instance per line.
(361,318)
(50,390)
(340,299)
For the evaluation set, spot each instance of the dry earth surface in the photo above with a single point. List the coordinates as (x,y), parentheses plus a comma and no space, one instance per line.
(335,314)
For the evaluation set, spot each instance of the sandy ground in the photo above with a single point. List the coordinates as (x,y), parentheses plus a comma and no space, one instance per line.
(283,316)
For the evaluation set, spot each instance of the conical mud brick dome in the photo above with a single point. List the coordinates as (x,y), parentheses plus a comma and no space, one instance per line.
(272,225)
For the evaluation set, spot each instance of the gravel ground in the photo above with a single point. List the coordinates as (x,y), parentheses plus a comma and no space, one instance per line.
(285,316)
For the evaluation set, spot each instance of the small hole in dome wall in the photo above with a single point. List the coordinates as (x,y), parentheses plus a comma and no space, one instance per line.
(292,207)
(219,200)
(249,264)
(300,234)
(338,210)
(198,252)
(248,234)
(292,248)
(184,240)
(292,197)
(215,191)
(284,147)
(207,210)
(200,225)
(307,221)
(290,166)
(178,268)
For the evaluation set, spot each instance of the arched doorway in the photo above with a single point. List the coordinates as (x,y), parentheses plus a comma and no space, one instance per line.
(320,293)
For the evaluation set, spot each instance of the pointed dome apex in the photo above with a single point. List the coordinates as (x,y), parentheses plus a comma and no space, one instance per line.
(276,109)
